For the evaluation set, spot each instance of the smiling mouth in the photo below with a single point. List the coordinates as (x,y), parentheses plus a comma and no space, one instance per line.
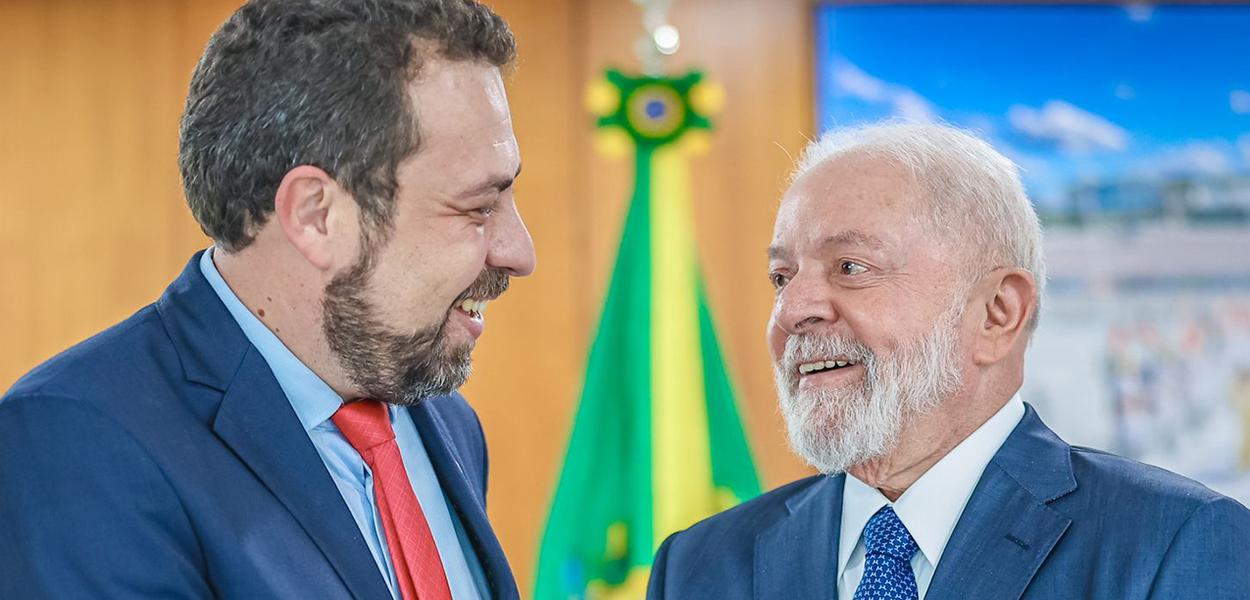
(820,366)
(472,306)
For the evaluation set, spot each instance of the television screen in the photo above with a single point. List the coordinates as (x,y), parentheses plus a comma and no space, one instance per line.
(1131,125)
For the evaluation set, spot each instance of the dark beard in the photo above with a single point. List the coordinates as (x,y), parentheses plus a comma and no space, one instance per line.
(389,366)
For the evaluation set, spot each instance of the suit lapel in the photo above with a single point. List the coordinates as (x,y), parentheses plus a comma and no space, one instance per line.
(1008,528)
(258,423)
(1002,538)
(787,564)
(468,505)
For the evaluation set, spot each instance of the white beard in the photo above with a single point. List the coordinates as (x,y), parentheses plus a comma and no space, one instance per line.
(836,428)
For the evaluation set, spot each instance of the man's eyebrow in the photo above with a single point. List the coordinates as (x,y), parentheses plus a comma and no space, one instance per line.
(849,237)
(494,184)
(853,237)
(778,253)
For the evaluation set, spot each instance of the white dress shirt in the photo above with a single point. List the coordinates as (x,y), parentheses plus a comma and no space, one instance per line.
(929,509)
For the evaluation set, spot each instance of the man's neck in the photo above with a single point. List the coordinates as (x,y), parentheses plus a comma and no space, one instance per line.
(926,440)
(285,299)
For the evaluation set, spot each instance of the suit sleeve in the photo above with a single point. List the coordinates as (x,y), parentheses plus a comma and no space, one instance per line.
(1210,556)
(655,587)
(84,510)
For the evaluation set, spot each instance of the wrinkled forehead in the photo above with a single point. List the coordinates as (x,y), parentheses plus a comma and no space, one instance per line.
(860,193)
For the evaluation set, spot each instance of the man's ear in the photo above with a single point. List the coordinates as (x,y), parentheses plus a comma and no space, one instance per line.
(1009,296)
(304,208)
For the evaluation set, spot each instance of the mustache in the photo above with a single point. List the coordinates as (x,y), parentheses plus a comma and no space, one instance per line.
(491,284)
(807,346)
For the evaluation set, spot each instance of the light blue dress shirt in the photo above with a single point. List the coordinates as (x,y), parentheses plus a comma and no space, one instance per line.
(315,402)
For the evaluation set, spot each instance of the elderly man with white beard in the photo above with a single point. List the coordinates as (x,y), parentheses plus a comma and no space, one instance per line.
(908,269)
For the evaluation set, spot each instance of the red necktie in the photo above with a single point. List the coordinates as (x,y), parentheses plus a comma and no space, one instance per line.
(418,569)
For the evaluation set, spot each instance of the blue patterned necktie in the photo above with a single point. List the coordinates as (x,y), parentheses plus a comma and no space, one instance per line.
(887,570)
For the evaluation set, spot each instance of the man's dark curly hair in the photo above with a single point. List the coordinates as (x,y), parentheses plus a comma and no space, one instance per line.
(285,83)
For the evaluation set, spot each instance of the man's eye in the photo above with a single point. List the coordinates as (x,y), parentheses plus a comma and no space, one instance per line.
(850,267)
(778,280)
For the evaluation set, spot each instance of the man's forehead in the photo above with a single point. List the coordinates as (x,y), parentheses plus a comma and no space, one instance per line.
(465,127)
(455,98)
(781,248)
(847,200)
(853,178)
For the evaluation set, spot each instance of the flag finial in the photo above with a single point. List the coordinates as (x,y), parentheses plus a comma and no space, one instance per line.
(659,39)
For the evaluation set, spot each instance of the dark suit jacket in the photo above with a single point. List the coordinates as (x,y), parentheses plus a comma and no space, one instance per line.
(160,459)
(1046,520)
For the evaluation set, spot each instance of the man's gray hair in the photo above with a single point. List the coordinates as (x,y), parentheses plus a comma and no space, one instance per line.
(974,192)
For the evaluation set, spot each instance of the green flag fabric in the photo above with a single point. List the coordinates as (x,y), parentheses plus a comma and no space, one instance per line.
(657,442)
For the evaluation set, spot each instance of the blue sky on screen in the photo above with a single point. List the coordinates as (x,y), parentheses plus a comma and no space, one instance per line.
(1072,93)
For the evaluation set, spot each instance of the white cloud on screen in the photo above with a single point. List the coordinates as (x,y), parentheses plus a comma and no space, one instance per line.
(1072,128)
(1239,101)
(1140,12)
(1197,158)
(1205,158)
(852,81)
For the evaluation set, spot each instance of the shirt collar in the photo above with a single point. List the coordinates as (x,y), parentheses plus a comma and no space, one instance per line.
(931,507)
(314,400)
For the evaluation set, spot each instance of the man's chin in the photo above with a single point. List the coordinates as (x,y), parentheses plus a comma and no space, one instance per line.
(443,379)
(831,434)
(455,334)
(832,454)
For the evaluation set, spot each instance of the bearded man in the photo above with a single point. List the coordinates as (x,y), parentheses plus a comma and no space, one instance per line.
(908,268)
(282,422)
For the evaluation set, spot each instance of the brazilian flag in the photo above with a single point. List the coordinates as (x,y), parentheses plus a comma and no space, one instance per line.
(657,443)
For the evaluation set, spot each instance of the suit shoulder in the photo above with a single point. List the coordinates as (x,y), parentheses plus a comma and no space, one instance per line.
(105,358)
(1175,530)
(1120,476)
(745,520)
(1139,504)
(719,551)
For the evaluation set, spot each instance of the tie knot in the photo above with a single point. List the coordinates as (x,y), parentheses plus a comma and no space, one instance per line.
(886,534)
(365,424)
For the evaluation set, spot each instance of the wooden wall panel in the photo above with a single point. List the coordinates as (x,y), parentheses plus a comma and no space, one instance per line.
(93,225)
(92,222)
(528,363)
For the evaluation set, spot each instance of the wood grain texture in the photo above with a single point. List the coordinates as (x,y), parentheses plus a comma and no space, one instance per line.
(93,224)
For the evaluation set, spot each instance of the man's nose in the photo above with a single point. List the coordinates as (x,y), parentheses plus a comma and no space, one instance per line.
(805,302)
(512,248)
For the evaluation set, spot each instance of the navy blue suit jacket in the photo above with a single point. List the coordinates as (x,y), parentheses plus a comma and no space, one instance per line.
(160,459)
(1046,520)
